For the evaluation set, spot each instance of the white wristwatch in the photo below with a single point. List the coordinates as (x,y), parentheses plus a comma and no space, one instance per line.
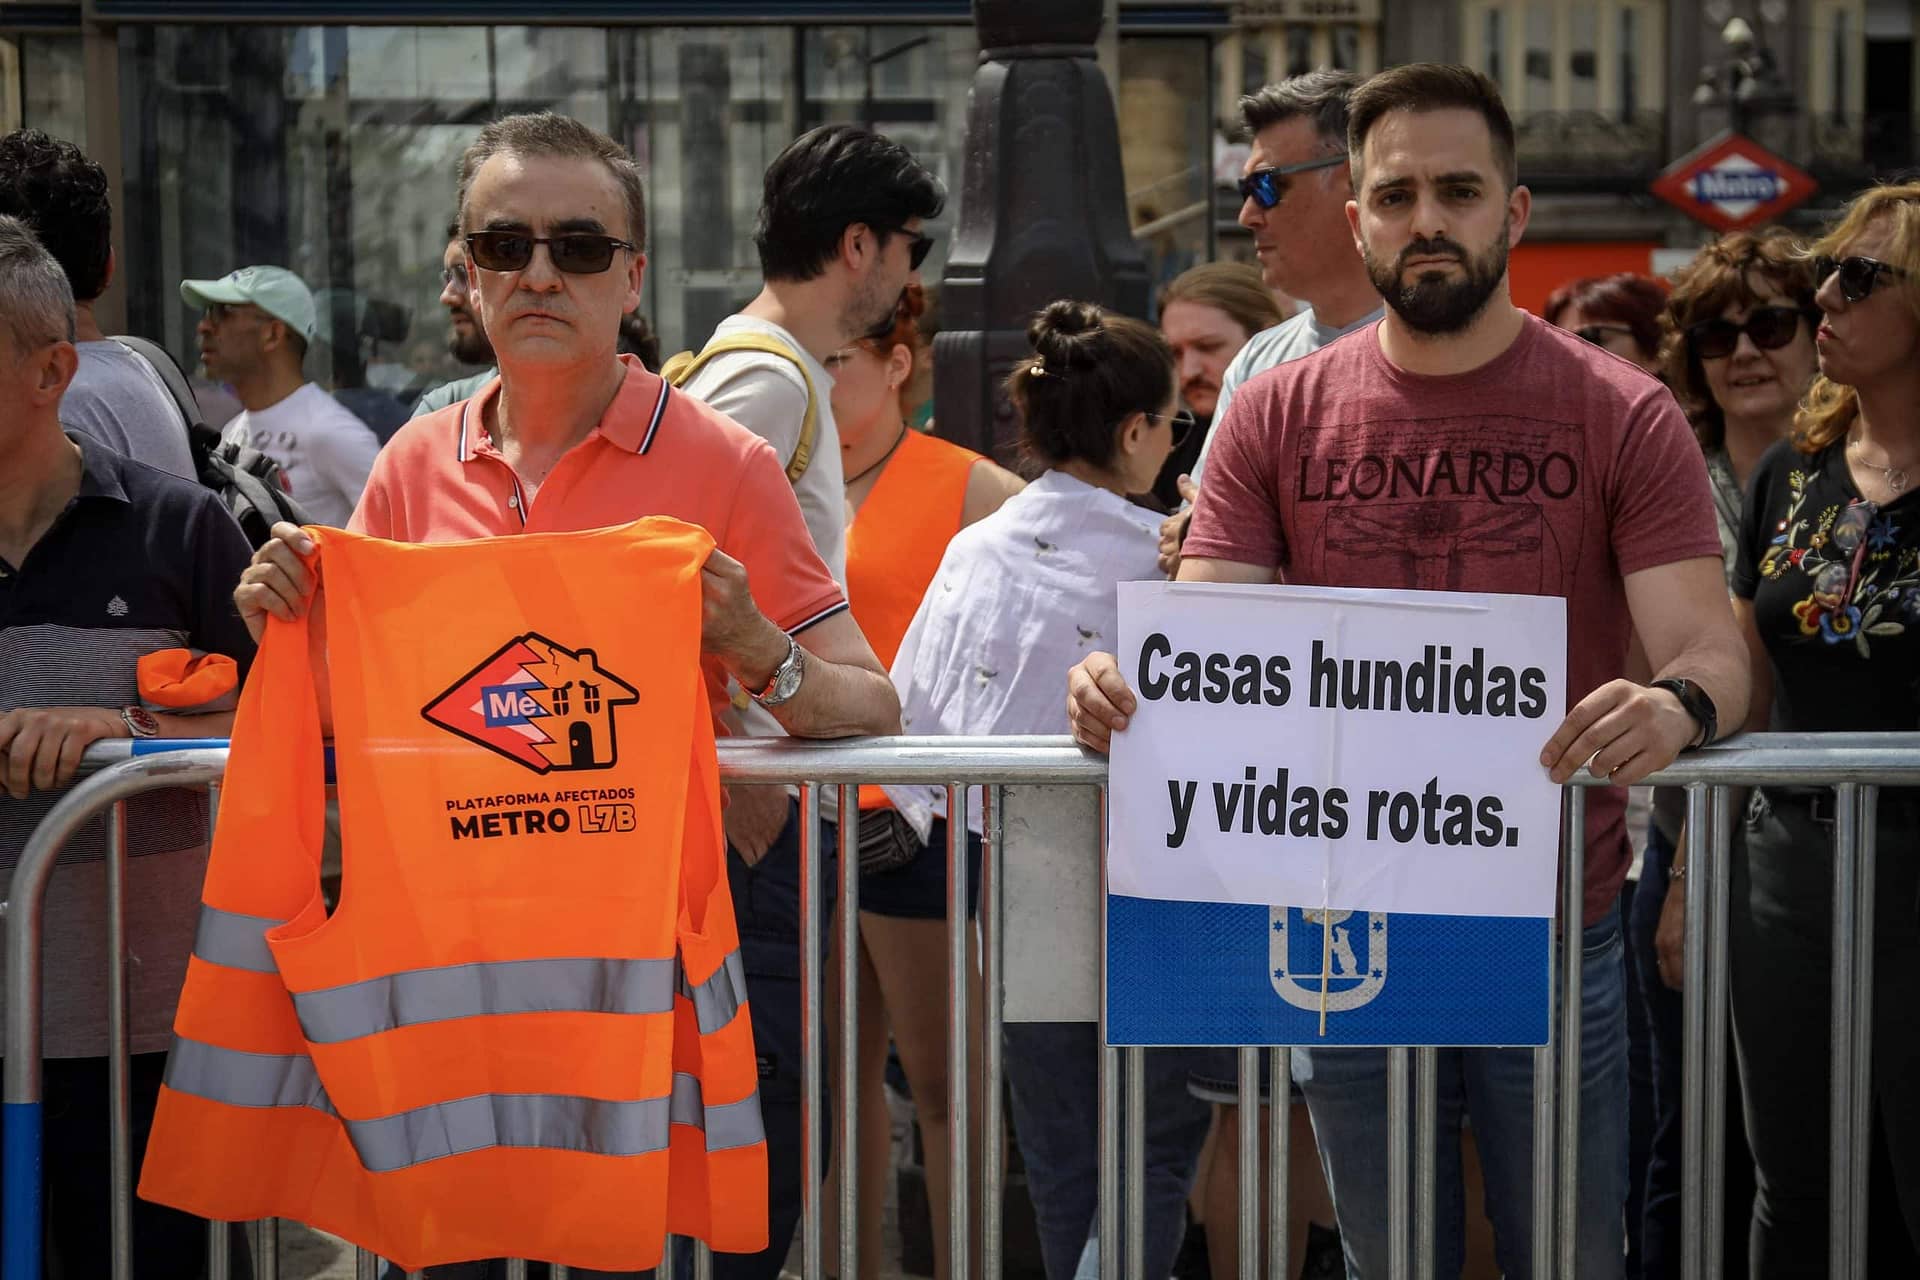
(785,681)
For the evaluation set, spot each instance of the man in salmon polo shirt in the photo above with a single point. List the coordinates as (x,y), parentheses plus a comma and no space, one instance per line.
(573,436)
(1461,444)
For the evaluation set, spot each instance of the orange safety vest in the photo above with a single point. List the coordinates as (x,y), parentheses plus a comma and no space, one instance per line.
(896,540)
(523,1032)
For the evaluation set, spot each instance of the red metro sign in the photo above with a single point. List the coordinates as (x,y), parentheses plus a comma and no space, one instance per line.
(1732,183)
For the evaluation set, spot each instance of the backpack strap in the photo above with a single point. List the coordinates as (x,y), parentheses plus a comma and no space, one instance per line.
(170,374)
(679,370)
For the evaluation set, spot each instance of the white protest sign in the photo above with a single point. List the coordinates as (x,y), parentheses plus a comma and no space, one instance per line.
(1361,750)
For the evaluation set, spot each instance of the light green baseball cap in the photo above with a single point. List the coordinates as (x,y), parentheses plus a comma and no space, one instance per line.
(275,290)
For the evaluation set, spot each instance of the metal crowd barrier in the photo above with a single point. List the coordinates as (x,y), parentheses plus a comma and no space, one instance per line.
(1854,765)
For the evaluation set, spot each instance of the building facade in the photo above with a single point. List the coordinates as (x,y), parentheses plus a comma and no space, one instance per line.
(322,134)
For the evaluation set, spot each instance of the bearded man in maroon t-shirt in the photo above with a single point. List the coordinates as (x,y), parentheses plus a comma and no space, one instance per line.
(1464,445)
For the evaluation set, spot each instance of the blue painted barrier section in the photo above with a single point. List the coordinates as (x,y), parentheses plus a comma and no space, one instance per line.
(20,1215)
(1210,973)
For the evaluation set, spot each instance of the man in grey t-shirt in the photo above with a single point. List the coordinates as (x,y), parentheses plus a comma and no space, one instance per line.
(116,397)
(1294,201)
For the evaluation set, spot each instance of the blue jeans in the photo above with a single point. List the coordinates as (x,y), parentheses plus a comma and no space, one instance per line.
(1346,1092)
(1053,1070)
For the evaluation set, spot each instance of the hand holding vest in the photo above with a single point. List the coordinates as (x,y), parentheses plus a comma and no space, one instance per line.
(523,1032)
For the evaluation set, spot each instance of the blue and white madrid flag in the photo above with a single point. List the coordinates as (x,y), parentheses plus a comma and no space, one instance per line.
(1327,820)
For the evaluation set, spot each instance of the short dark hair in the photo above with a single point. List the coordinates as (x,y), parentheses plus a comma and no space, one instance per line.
(52,187)
(1320,96)
(547,133)
(637,338)
(1432,86)
(1091,368)
(827,180)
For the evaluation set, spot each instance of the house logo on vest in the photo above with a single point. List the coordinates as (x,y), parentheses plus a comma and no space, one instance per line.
(1335,960)
(538,704)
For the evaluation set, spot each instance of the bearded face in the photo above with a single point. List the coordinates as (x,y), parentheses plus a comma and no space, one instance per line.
(1438,286)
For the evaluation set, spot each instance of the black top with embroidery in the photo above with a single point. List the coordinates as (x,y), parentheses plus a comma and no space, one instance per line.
(1835,585)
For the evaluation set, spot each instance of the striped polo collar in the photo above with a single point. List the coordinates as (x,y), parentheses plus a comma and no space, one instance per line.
(631,422)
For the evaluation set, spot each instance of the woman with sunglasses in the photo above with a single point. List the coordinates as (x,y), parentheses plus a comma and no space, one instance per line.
(908,494)
(1019,597)
(1827,586)
(1738,353)
(1620,313)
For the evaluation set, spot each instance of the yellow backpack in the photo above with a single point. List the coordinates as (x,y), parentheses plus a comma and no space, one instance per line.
(679,370)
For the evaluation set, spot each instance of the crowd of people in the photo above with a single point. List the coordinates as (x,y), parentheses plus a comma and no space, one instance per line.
(1737,552)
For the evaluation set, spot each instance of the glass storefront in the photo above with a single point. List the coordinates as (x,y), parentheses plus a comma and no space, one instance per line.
(43,85)
(333,151)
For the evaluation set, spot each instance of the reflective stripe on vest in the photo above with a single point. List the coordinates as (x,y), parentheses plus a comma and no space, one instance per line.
(385,1144)
(417,996)
(718,999)
(234,940)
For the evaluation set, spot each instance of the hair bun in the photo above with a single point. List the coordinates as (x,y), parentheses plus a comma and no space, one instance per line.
(1062,335)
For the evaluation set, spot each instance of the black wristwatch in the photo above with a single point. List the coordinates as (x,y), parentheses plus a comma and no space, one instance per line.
(1698,705)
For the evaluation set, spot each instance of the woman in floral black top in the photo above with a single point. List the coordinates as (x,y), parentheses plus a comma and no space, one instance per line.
(1828,586)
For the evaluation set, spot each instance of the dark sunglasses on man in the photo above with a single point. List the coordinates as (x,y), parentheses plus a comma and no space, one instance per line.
(1858,275)
(1770,328)
(917,248)
(578,253)
(1268,187)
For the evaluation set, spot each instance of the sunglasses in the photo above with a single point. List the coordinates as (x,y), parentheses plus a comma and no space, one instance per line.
(917,248)
(1857,275)
(1770,328)
(1181,420)
(1268,187)
(1598,334)
(577,253)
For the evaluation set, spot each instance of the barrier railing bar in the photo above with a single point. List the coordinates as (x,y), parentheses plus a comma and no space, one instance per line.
(1109,1200)
(119,1068)
(367,1267)
(1279,1158)
(1399,1164)
(1426,1135)
(1841,1262)
(813,1167)
(1572,918)
(1696,888)
(993,923)
(849,1242)
(702,1264)
(517,1267)
(1134,1177)
(266,1249)
(1852,763)
(558,1271)
(1859,1142)
(1544,1116)
(1717,887)
(1249,1122)
(959,1082)
(669,1262)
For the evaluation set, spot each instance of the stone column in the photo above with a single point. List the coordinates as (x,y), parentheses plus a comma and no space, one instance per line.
(1042,208)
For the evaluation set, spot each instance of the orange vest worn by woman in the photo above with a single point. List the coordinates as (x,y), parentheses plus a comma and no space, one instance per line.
(896,540)
(523,1031)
